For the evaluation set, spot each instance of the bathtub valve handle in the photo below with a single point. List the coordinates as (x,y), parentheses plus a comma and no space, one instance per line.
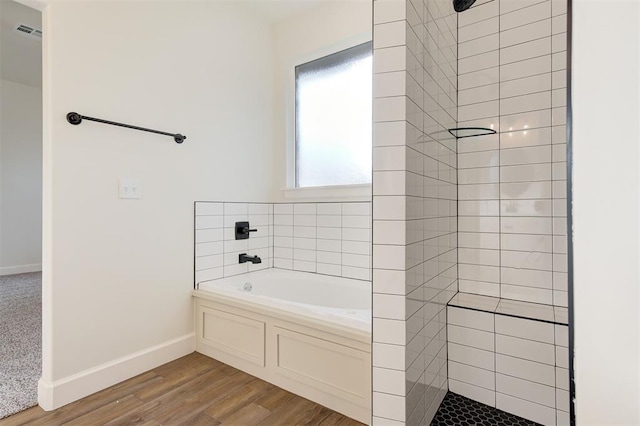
(242,230)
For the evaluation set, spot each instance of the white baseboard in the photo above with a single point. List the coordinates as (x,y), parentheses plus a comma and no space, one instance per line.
(64,391)
(20,269)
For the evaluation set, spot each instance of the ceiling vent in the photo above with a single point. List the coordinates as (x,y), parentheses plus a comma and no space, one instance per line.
(27,31)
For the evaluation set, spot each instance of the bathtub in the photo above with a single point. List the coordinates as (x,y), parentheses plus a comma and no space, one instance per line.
(307,333)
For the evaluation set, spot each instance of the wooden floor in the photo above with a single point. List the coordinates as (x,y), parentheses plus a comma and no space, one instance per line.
(193,390)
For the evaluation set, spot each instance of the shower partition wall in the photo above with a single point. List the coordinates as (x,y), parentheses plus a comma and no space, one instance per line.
(414,205)
(500,65)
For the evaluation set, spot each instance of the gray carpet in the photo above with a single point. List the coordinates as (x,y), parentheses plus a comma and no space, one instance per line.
(20,341)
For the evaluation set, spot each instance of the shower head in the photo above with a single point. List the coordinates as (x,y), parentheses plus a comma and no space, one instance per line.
(462,5)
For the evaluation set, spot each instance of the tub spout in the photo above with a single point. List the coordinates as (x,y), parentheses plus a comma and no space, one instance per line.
(253,259)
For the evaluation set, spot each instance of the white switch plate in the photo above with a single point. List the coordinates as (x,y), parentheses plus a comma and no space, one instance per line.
(129,188)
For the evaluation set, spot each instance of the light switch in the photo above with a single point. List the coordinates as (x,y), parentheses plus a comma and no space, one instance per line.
(129,188)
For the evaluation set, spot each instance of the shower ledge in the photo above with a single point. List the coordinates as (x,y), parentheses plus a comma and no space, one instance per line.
(512,308)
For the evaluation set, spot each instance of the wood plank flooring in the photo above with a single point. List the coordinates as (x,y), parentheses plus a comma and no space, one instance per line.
(191,391)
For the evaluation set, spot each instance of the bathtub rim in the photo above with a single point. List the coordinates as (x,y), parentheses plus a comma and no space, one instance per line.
(310,321)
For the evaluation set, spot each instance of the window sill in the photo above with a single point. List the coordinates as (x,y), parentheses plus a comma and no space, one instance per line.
(329,193)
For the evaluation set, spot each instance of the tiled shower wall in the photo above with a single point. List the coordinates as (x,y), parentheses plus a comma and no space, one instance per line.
(414,206)
(512,185)
(324,238)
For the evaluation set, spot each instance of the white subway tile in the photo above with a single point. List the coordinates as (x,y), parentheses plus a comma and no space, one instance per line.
(356,273)
(208,209)
(478,78)
(526,16)
(562,356)
(329,209)
(209,275)
(525,349)
(558,7)
(328,233)
(389,356)
(389,306)
(559,79)
(508,6)
(561,335)
(390,157)
(526,390)
(208,235)
(283,209)
(524,369)
(235,269)
(478,224)
(526,173)
(304,243)
(304,220)
(525,33)
(524,261)
(525,329)
(526,68)
(209,222)
(478,175)
(389,381)
(478,62)
(283,263)
(304,231)
(559,42)
(393,133)
(562,378)
(328,269)
(470,318)
(524,86)
(389,406)
(471,375)
(334,246)
(525,51)
(475,393)
(479,45)
(528,294)
(478,29)
(562,401)
(478,13)
(479,287)
(390,34)
(529,410)
(527,243)
(390,59)
(388,11)
(470,337)
(209,262)
(478,159)
(356,234)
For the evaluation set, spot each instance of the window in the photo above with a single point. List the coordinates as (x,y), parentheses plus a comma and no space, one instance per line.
(333,119)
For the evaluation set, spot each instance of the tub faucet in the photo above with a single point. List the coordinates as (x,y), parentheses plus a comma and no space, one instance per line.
(253,259)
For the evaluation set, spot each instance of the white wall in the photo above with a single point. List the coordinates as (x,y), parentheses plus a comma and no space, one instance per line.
(327,28)
(118,273)
(606,139)
(20,178)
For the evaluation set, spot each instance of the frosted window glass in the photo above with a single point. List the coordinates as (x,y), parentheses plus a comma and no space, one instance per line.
(333,119)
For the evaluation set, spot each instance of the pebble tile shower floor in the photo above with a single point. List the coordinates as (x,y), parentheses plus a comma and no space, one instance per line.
(457,410)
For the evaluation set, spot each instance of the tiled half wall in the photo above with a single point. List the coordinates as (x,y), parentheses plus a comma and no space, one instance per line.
(414,206)
(518,365)
(512,185)
(324,238)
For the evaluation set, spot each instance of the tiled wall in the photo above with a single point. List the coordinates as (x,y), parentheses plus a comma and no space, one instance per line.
(514,364)
(414,206)
(327,238)
(217,250)
(512,186)
(324,238)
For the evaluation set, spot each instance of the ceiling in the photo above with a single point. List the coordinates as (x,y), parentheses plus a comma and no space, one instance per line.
(20,57)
